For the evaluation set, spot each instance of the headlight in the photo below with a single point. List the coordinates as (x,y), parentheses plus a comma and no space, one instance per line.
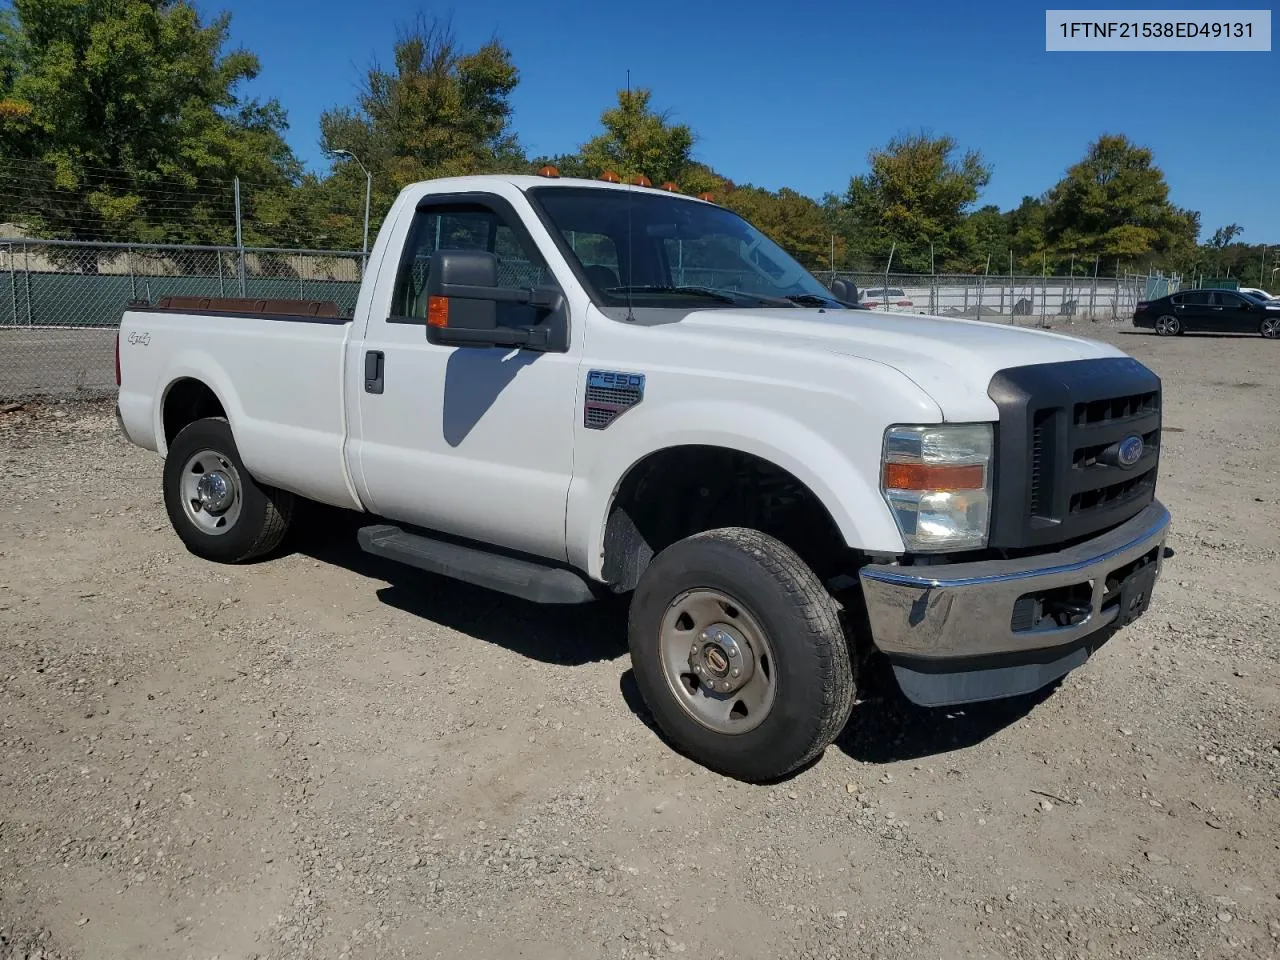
(937,482)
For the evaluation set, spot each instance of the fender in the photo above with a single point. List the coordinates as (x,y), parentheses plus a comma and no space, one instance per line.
(189,364)
(844,486)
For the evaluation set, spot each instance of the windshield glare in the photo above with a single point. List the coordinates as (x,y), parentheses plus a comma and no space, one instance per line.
(665,242)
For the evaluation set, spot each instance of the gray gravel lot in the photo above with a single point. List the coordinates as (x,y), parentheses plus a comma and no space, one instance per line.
(322,756)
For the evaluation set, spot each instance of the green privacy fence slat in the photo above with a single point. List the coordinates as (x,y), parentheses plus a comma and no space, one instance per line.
(77,300)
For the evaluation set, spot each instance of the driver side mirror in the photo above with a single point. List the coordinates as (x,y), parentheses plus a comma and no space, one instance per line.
(462,305)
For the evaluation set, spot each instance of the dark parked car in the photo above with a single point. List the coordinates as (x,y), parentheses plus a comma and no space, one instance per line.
(1216,311)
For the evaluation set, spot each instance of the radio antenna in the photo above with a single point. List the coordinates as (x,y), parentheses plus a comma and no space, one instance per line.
(631,239)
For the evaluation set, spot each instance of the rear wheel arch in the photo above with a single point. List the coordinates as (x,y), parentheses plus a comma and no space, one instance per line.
(186,400)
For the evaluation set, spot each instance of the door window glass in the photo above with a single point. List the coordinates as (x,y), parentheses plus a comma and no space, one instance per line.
(472,226)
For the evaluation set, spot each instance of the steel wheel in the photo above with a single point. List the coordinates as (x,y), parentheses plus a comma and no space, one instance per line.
(1271,328)
(717,661)
(211,492)
(1168,326)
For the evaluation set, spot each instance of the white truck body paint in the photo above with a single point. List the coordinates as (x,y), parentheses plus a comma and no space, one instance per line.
(489,444)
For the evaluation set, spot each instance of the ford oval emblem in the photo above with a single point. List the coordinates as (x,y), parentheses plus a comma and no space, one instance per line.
(1130,450)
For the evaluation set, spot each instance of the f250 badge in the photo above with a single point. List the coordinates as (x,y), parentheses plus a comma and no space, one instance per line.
(609,394)
(141,339)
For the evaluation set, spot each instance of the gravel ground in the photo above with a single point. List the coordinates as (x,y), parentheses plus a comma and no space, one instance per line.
(322,756)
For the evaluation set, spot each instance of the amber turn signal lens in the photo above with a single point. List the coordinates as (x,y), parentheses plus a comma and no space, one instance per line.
(437,311)
(925,476)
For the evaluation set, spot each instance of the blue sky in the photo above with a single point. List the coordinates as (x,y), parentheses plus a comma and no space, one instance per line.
(795,94)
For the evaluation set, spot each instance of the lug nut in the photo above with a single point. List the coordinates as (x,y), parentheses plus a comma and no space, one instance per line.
(733,651)
(736,671)
(724,686)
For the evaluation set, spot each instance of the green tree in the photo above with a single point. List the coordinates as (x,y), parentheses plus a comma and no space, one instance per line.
(918,191)
(438,111)
(638,140)
(1223,236)
(990,235)
(793,221)
(1114,205)
(1026,234)
(120,120)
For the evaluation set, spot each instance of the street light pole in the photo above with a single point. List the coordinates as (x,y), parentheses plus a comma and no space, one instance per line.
(368,193)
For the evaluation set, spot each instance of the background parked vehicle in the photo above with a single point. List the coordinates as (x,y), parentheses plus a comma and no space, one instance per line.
(885,298)
(1260,294)
(1209,311)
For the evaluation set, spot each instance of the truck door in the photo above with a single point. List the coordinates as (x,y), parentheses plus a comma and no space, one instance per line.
(472,441)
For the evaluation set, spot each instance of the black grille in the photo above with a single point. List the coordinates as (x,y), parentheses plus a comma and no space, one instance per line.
(1111,409)
(1057,474)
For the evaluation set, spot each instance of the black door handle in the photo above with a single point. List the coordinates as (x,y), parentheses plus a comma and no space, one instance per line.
(374,366)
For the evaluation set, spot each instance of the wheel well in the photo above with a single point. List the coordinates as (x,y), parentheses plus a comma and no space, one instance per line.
(680,491)
(186,402)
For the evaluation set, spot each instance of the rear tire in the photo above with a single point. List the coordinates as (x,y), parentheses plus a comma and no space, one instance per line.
(1168,326)
(736,599)
(217,509)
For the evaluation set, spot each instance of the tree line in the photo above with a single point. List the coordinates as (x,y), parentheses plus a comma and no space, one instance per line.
(123,120)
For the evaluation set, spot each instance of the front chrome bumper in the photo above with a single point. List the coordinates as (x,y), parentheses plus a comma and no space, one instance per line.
(964,611)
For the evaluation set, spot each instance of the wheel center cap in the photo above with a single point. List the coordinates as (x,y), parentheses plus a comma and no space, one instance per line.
(721,659)
(215,491)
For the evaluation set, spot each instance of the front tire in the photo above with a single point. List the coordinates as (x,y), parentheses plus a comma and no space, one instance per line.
(217,509)
(1270,328)
(739,653)
(1168,326)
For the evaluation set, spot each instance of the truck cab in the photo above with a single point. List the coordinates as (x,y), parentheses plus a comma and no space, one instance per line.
(564,389)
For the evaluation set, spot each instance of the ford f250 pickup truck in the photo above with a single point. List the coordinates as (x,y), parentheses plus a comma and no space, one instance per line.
(533,395)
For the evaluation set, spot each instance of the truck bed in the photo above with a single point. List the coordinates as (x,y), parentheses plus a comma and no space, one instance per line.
(277,370)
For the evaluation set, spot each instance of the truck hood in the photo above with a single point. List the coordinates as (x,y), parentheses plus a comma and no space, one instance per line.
(951,359)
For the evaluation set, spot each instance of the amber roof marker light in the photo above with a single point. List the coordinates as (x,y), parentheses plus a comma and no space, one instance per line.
(640,180)
(610,177)
(670,187)
(549,171)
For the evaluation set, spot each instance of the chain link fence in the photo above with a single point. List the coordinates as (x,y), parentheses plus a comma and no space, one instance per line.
(1018,300)
(61,301)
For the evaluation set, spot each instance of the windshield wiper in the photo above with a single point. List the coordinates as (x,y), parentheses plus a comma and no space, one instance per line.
(723,296)
(811,299)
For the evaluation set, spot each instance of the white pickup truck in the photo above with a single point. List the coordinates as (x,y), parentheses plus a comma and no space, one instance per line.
(534,395)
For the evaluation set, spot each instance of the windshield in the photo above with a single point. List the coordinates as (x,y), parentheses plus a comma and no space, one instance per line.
(667,251)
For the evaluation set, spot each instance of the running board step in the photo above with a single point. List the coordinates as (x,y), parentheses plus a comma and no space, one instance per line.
(520,578)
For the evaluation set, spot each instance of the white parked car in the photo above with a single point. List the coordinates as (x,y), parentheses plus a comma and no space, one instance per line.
(780,483)
(1260,294)
(886,298)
